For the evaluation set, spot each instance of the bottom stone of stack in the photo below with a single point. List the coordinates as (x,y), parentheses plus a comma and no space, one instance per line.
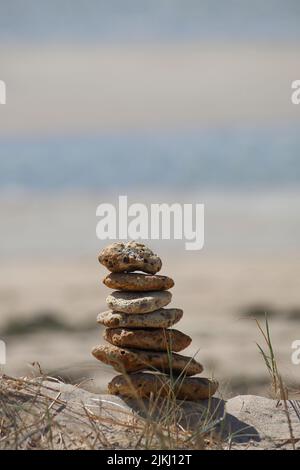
(142,385)
(134,360)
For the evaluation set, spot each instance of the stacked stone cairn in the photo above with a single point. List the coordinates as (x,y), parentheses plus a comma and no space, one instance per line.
(139,333)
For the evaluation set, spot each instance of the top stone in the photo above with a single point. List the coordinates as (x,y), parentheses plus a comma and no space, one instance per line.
(132,256)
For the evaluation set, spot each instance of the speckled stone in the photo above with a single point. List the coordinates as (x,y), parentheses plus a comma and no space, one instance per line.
(142,385)
(129,360)
(138,302)
(131,256)
(157,339)
(162,318)
(137,282)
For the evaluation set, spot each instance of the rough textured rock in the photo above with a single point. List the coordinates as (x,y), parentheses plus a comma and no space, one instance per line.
(142,385)
(131,256)
(138,302)
(137,282)
(154,339)
(162,318)
(132,360)
(243,422)
(268,418)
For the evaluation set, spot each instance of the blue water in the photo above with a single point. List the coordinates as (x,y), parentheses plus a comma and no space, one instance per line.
(264,157)
(138,20)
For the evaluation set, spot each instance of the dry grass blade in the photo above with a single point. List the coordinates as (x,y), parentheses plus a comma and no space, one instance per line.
(35,415)
(292,437)
(270,360)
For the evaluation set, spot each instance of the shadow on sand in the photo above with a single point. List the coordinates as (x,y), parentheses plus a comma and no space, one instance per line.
(209,415)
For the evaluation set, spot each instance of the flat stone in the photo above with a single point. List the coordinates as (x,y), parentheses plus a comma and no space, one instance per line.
(162,318)
(154,339)
(137,282)
(131,256)
(142,385)
(133,360)
(137,302)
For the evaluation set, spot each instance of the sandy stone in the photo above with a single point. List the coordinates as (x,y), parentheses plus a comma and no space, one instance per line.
(162,318)
(154,339)
(131,256)
(142,385)
(133,360)
(138,302)
(137,282)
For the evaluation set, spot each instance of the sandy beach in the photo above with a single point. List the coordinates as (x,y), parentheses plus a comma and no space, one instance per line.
(94,88)
(51,289)
(217,296)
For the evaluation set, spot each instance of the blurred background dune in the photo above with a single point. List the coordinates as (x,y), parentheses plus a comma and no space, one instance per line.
(182,101)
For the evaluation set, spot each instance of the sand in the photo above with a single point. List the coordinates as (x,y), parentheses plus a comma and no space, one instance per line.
(213,293)
(146,86)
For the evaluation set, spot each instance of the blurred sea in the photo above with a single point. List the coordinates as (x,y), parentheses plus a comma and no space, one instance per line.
(188,160)
(248,179)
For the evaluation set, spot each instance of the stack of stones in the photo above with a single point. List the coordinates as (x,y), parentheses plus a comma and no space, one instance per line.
(138,330)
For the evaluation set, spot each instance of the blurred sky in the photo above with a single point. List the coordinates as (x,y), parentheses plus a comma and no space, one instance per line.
(155,20)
